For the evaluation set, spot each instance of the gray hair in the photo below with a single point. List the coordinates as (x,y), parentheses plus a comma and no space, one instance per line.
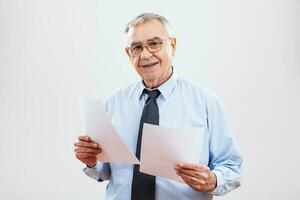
(147,17)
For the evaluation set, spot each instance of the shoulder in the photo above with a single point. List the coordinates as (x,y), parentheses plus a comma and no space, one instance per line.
(198,90)
(124,93)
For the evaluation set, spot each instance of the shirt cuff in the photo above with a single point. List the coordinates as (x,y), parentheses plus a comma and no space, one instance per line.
(94,172)
(220,181)
(224,184)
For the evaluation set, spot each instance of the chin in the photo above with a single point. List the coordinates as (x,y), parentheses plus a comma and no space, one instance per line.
(149,79)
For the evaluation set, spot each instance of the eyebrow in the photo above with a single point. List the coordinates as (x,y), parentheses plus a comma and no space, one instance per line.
(154,38)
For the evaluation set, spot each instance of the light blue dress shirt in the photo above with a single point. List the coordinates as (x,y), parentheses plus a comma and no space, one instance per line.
(181,104)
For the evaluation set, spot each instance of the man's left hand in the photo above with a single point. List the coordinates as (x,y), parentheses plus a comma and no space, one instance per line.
(198,177)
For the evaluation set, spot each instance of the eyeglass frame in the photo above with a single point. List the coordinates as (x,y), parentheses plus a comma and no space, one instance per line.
(145,45)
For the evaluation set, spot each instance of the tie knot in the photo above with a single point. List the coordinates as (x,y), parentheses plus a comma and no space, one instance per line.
(152,93)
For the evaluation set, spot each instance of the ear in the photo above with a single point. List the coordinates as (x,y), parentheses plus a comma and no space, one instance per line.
(127,52)
(173,43)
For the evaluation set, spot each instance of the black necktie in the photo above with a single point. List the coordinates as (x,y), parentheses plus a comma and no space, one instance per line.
(143,185)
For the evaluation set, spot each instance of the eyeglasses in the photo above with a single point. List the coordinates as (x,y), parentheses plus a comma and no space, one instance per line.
(152,45)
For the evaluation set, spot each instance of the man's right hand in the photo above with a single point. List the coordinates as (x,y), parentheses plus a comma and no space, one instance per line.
(86,150)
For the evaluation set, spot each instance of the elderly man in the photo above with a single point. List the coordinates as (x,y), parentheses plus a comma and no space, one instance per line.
(163,98)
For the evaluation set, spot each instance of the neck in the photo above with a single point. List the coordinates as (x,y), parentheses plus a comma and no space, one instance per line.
(158,82)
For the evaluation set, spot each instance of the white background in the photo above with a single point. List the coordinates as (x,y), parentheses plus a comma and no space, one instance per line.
(52,51)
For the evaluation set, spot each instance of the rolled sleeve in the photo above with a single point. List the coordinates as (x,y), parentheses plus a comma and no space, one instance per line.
(224,186)
(100,172)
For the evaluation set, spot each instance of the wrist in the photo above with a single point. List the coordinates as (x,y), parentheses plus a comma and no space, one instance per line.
(91,165)
(214,181)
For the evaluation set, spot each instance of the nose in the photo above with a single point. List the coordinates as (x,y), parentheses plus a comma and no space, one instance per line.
(145,53)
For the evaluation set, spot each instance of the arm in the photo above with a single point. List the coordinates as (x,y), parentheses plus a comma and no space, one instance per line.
(225,159)
(223,172)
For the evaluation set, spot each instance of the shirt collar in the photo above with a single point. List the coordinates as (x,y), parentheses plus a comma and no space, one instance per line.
(165,89)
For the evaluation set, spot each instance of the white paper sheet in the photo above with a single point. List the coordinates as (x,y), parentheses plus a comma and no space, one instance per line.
(97,125)
(163,148)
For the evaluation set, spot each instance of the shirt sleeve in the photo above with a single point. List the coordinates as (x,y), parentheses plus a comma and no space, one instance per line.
(224,157)
(100,172)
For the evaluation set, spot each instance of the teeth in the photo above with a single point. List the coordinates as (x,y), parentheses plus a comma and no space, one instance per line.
(149,64)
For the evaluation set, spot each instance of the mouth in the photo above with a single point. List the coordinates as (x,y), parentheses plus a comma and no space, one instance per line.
(149,64)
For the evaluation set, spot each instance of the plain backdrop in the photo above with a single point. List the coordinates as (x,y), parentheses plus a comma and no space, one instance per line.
(52,51)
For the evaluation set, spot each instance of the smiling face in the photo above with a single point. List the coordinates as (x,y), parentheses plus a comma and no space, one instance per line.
(154,68)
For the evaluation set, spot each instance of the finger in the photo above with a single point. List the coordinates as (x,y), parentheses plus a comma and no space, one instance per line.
(188,179)
(201,175)
(87,150)
(192,166)
(195,184)
(193,173)
(86,144)
(85,138)
(85,155)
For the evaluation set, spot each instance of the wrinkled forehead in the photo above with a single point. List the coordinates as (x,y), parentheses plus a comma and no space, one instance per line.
(145,31)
